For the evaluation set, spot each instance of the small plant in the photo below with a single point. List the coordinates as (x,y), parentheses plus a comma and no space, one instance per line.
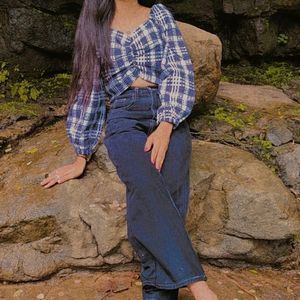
(52,86)
(4,76)
(265,144)
(242,107)
(18,107)
(277,74)
(225,78)
(4,73)
(296,236)
(14,86)
(227,116)
(282,39)
(265,147)
(25,90)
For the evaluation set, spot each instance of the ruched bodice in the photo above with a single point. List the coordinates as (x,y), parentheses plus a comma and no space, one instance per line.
(138,54)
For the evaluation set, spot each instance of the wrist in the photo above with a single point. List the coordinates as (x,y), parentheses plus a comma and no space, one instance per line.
(84,157)
(166,125)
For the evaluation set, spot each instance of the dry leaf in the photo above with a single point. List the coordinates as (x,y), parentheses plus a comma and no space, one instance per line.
(32,150)
(18,293)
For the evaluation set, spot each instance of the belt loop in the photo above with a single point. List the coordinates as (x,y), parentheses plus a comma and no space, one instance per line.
(150,90)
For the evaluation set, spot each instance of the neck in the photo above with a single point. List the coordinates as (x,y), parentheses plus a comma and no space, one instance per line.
(126,4)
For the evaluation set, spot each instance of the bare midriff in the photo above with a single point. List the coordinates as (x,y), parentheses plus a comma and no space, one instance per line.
(140,82)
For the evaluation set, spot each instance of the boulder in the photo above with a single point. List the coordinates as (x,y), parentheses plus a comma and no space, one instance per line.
(239,213)
(206,53)
(259,97)
(239,210)
(288,159)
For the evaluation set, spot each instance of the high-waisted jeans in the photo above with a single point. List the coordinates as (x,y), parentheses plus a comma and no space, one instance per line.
(157,202)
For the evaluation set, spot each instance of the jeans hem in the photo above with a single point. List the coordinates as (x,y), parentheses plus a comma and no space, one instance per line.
(176,285)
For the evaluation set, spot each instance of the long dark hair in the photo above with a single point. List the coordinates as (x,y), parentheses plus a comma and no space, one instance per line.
(91,55)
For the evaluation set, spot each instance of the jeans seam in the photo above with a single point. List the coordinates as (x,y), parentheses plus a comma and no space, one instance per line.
(171,198)
(176,284)
(186,188)
(153,112)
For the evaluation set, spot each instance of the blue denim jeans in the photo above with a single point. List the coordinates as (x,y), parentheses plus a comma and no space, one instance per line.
(157,202)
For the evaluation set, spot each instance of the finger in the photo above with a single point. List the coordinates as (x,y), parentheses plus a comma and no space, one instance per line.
(47,180)
(148,144)
(44,181)
(50,183)
(50,176)
(160,158)
(154,152)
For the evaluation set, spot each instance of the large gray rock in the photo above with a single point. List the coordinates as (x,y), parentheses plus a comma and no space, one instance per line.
(239,211)
(206,53)
(42,32)
(252,9)
(246,28)
(259,97)
(36,37)
(258,118)
(289,163)
(244,212)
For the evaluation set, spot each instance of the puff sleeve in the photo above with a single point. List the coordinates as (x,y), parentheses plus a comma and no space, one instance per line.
(177,88)
(84,127)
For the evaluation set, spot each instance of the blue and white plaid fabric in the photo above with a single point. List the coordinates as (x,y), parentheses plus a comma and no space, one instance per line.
(155,51)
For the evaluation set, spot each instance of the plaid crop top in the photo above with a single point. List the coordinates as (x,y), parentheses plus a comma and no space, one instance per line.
(155,51)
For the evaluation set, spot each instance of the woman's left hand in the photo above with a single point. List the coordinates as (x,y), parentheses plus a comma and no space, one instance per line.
(159,139)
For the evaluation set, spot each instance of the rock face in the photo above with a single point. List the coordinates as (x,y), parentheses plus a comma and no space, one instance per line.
(33,31)
(289,164)
(259,119)
(258,97)
(246,28)
(244,211)
(240,212)
(206,52)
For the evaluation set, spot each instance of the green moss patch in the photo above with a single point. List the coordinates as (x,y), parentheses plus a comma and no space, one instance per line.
(13,85)
(236,116)
(277,74)
(16,107)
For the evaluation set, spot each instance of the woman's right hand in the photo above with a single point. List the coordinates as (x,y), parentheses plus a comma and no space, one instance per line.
(65,173)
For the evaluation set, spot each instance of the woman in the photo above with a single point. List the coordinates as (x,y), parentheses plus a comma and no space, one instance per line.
(136,57)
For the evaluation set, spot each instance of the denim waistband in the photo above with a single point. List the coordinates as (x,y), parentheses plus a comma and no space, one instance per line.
(145,87)
(139,91)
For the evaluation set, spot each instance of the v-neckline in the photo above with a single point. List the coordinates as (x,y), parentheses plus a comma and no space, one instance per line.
(129,35)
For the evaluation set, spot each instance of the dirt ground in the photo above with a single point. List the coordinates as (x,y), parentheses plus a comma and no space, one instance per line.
(229,284)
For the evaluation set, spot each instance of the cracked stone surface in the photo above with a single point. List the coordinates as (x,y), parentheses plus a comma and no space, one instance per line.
(240,213)
(259,97)
(246,212)
(259,119)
